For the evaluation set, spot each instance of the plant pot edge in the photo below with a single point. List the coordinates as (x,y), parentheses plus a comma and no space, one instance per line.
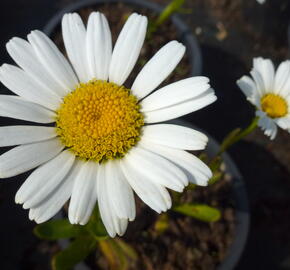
(185,34)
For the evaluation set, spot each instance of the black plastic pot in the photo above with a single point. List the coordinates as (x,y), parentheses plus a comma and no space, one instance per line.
(193,50)
(184,33)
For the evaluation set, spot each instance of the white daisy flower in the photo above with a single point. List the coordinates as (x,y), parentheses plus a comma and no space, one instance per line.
(270,93)
(103,145)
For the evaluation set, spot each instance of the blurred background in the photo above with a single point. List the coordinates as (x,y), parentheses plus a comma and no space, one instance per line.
(230,33)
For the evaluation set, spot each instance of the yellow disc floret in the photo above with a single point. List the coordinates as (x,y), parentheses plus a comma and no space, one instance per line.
(99,121)
(274,105)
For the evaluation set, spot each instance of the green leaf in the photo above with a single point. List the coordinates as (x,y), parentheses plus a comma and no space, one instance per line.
(118,253)
(56,229)
(78,250)
(172,7)
(201,212)
(96,227)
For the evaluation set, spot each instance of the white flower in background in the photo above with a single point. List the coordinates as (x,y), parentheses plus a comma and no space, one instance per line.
(270,93)
(261,1)
(103,145)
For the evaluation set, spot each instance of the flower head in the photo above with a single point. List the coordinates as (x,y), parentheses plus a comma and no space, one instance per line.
(269,92)
(103,144)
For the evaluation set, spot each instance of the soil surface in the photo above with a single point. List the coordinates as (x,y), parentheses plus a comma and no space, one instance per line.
(231,33)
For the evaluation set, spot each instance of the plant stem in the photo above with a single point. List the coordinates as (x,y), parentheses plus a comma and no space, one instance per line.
(233,137)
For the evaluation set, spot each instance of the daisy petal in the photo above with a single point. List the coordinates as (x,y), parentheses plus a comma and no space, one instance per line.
(53,61)
(23,85)
(84,194)
(174,136)
(249,88)
(266,69)
(158,68)
(15,135)
(197,172)
(282,78)
(26,157)
(157,169)
(267,125)
(19,108)
(99,46)
(127,48)
(177,110)
(74,37)
(121,194)
(283,122)
(44,180)
(23,54)
(56,199)
(260,86)
(175,93)
(154,195)
(114,225)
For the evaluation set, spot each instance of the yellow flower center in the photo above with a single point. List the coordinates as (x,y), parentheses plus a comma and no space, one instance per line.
(274,105)
(99,121)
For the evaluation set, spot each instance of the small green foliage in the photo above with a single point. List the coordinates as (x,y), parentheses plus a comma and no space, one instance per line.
(162,224)
(56,229)
(118,253)
(78,250)
(201,212)
(173,6)
(96,227)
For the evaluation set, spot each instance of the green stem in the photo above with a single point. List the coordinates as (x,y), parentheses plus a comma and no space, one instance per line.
(233,137)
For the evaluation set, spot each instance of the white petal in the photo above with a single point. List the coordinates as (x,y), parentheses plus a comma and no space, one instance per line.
(56,199)
(154,195)
(74,37)
(121,194)
(127,48)
(267,125)
(15,135)
(177,110)
(114,225)
(44,180)
(282,79)
(157,169)
(99,46)
(53,61)
(174,136)
(249,88)
(158,68)
(19,108)
(84,194)
(197,172)
(266,69)
(175,93)
(283,122)
(23,85)
(23,54)
(260,86)
(26,157)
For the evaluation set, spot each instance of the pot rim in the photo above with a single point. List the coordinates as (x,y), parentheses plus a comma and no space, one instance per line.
(242,212)
(185,35)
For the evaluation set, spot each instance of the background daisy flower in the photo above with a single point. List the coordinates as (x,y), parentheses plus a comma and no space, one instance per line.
(269,92)
(103,145)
